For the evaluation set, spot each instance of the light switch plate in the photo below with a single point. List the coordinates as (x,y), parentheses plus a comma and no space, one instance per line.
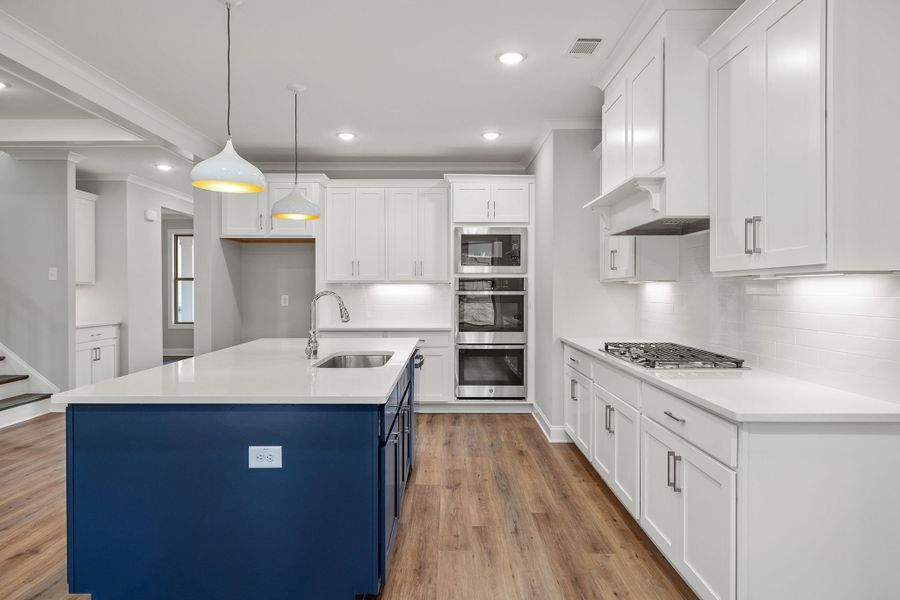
(285,300)
(265,457)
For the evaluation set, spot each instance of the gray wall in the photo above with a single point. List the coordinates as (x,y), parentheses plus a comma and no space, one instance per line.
(37,232)
(173,339)
(570,300)
(217,262)
(267,272)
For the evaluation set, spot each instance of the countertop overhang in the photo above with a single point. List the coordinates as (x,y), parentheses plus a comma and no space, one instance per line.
(264,371)
(751,394)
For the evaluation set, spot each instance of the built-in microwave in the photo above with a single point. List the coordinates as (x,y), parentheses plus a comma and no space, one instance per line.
(499,250)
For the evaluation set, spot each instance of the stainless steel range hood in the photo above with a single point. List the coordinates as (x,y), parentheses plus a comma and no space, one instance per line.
(670,226)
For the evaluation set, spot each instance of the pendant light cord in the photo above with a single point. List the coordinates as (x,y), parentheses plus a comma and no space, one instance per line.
(228,61)
(296,142)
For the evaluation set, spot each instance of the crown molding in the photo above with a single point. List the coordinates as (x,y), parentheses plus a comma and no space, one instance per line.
(398,166)
(40,61)
(145,183)
(43,154)
(551,125)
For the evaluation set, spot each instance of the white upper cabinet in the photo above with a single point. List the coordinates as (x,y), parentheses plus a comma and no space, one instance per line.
(645,102)
(355,235)
(767,159)
(782,199)
(639,258)
(250,215)
(491,198)
(655,122)
(614,164)
(418,231)
(85,238)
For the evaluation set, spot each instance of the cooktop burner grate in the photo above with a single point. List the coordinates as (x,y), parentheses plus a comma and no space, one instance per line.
(666,355)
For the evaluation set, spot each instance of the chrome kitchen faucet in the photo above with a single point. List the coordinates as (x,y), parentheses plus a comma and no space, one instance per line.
(312,345)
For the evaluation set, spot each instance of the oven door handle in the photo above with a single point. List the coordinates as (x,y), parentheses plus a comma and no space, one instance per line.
(490,346)
(488,293)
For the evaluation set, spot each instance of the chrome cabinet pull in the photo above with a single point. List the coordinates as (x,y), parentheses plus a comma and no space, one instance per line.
(574,360)
(609,418)
(669,456)
(488,203)
(572,395)
(756,248)
(421,268)
(669,414)
(675,488)
(748,225)
(259,220)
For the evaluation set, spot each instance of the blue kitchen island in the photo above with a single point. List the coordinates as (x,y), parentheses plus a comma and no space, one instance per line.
(247,473)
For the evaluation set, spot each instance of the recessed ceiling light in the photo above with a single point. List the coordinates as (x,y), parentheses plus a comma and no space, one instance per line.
(511,58)
(490,135)
(164,167)
(347,136)
(3,85)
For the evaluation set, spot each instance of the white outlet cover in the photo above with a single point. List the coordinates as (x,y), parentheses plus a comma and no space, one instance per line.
(264,457)
(285,300)
(52,274)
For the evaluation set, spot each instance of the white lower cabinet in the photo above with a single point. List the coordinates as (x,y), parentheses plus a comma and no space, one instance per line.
(96,354)
(616,448)
(434,376)
(578,409)
(689,510)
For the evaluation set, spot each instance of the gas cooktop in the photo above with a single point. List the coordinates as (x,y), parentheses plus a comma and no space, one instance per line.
(665,355)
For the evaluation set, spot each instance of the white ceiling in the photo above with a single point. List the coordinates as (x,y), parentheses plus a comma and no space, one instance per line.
(417,80)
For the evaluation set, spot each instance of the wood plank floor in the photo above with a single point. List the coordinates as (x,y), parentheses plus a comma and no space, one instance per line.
(493,512)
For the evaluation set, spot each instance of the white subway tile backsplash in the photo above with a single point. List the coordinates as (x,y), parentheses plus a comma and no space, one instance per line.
(841,331)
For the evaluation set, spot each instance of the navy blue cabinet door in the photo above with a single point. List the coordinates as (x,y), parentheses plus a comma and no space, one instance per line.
(391,507)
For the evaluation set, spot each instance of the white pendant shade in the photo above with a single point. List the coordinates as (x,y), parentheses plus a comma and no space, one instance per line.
(228,172)
(295,206)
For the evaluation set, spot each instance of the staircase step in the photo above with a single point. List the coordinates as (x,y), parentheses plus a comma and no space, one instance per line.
(11,378)
(21,399)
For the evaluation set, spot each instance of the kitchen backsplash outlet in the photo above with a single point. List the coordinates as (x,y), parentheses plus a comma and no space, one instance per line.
(842,331)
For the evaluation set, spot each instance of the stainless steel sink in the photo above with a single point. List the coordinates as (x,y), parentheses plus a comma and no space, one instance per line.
(355,360)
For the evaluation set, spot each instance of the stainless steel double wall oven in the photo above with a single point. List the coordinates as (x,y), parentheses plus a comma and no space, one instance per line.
(491,313)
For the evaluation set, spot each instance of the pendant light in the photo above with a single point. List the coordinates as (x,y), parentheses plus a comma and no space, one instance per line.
(227,171)
(296,206)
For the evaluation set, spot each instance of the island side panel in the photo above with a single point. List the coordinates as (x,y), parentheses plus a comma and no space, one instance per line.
(162,502)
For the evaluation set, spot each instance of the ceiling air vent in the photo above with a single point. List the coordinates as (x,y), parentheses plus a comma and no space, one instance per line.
(584,47)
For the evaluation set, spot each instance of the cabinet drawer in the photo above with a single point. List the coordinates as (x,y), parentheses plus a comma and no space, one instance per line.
(712,434)
(93,334)
(578,360)
(427,339)
(619,384)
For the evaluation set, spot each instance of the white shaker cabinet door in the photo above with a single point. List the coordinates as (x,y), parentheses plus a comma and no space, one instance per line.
(709,524)
(625,423)
(84,359)
(737,173)
(790,230)
(646,101)
(433,235)
(434,376)
(403,232)
(614,166)
(603,452)
(242,215)
(660,499)
(510,202)
(104,366)
(340,237)
(370,227)
(471,202)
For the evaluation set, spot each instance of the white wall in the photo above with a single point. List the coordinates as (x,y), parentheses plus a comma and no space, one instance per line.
(173,339)
(841,331)
(267,272)
(36,233)
(570,300)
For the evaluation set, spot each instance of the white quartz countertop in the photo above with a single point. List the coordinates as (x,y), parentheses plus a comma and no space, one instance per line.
(751,395)
(265,371)
(385,327)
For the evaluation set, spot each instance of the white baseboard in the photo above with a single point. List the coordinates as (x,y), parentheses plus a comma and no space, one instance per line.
(555,434)
(473,407)
(178,351)
(12,416)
